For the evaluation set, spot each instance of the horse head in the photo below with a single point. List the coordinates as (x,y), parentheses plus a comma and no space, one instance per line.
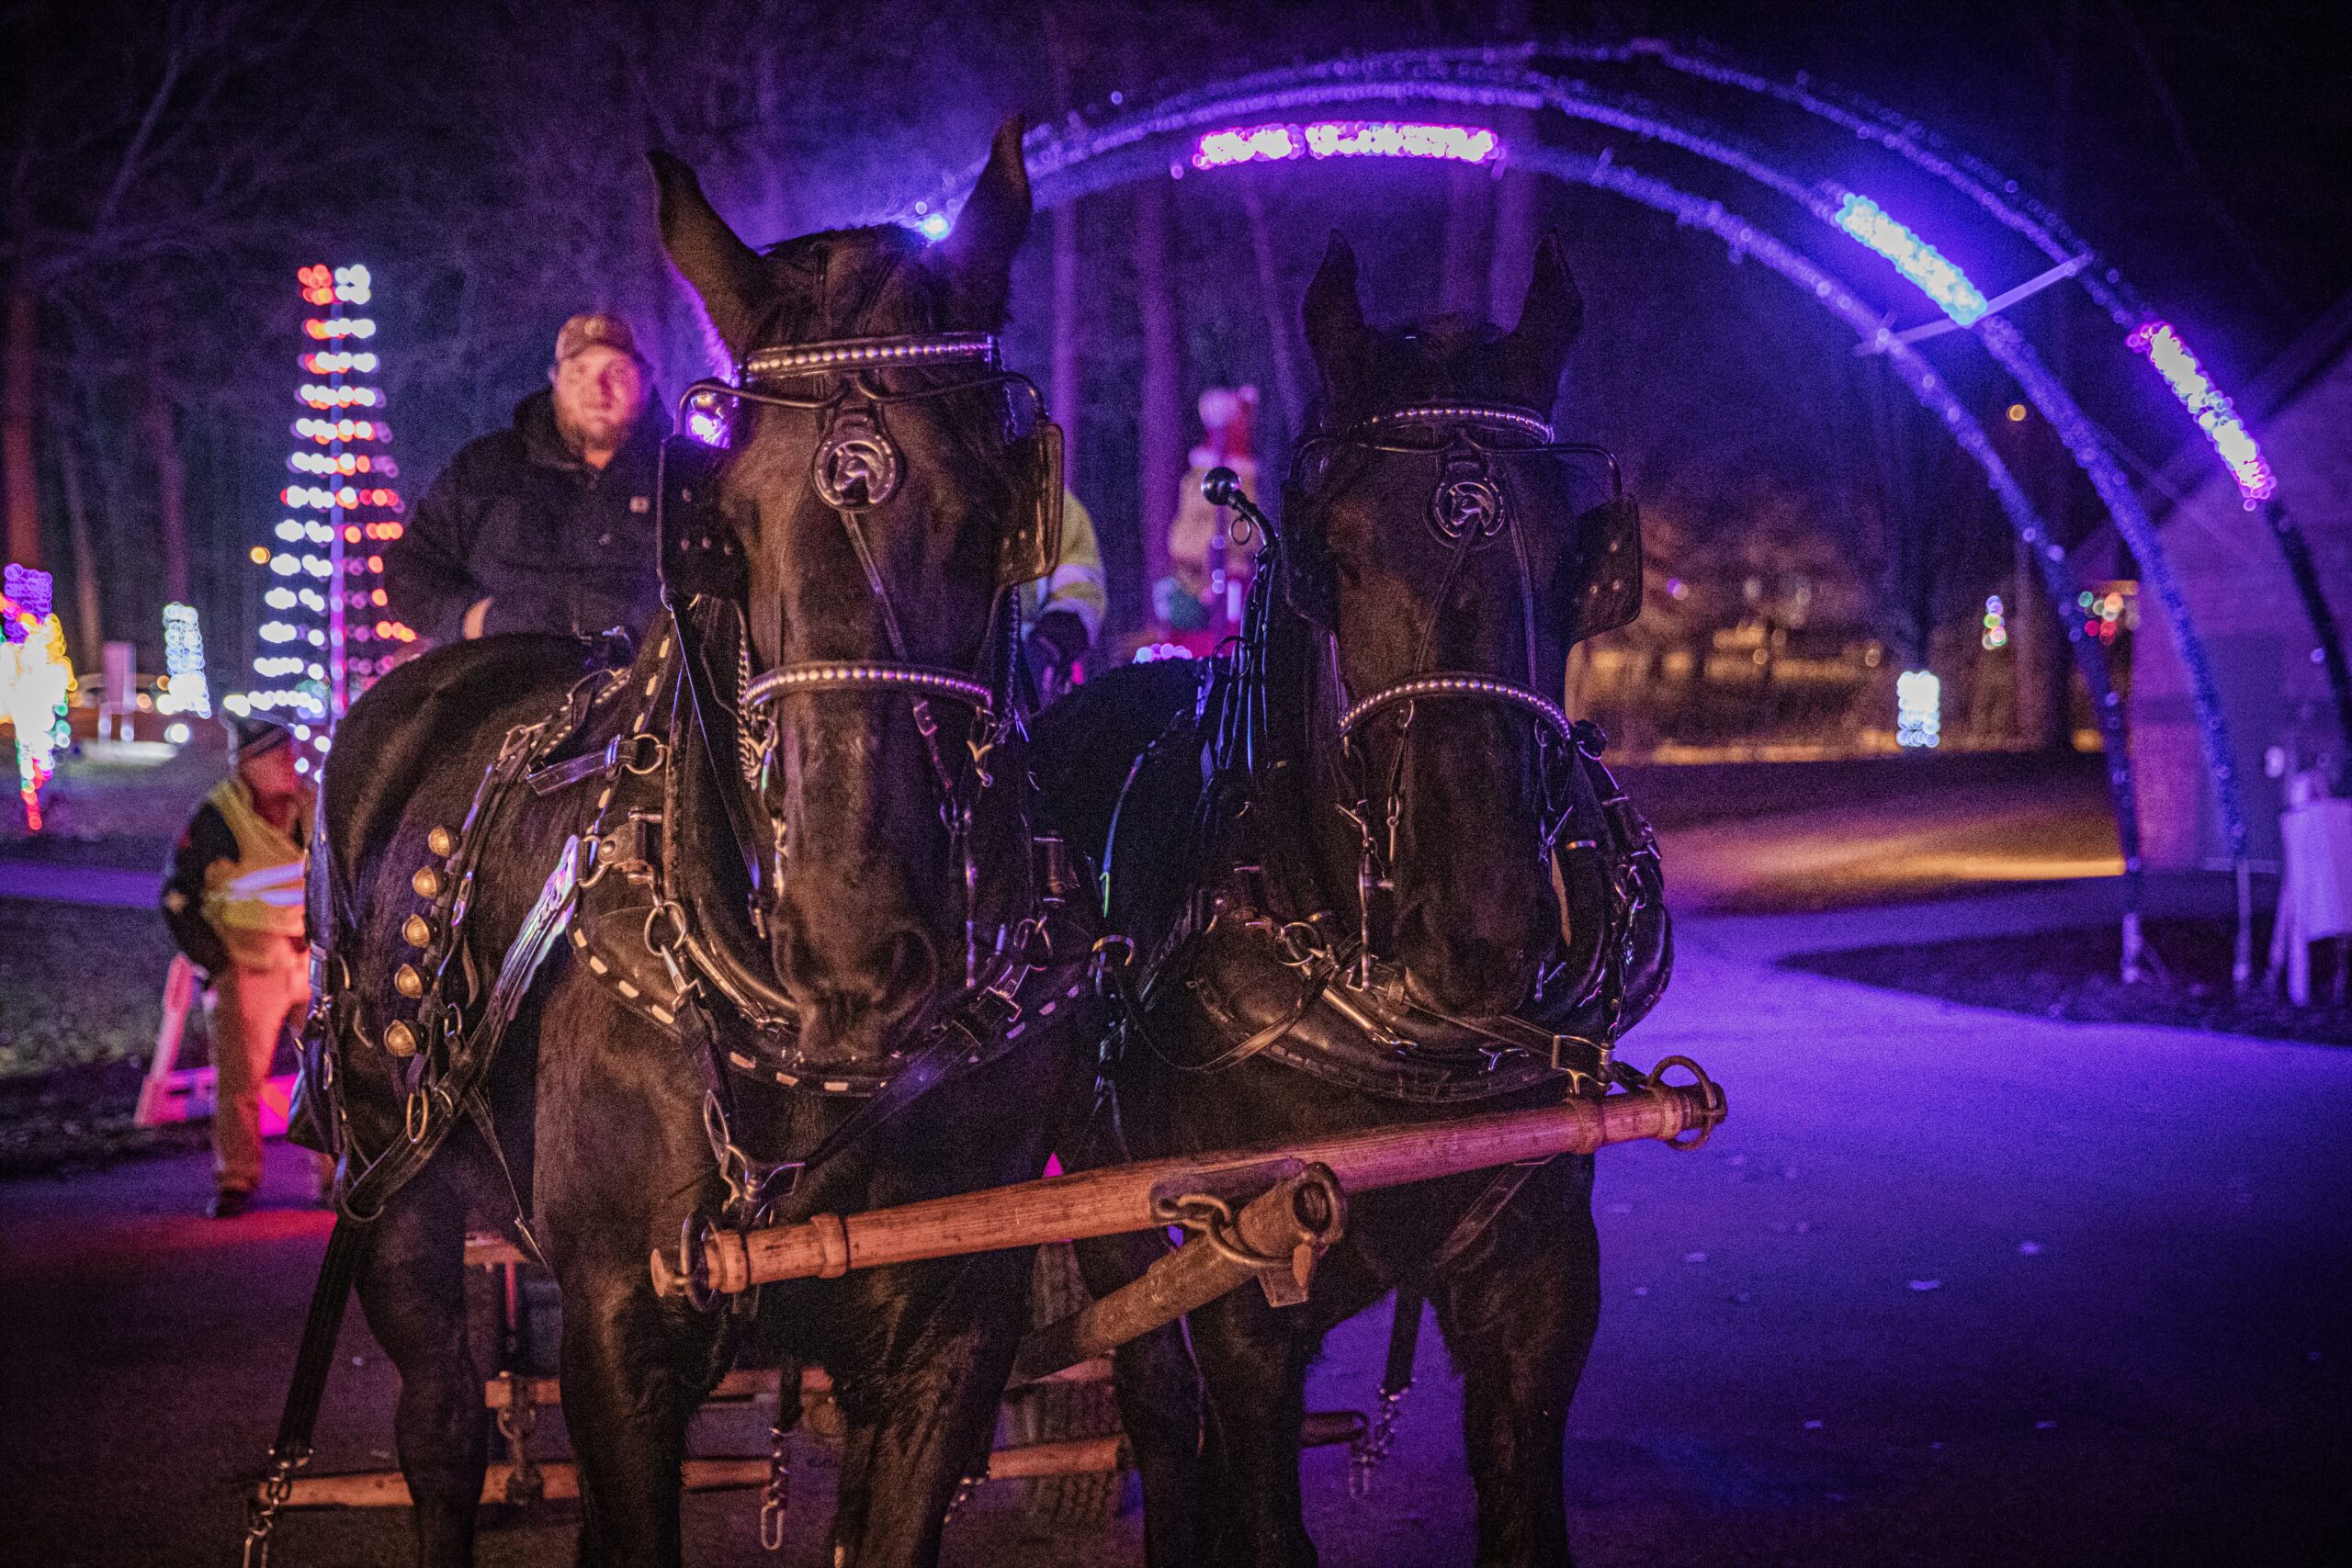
(880,464)
(1431,532)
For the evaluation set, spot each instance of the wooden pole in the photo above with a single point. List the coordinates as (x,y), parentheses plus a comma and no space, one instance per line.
(1130,1197)
(1295,1220)
(1070,1456)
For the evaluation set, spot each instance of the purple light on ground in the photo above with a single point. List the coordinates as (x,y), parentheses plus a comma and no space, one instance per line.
(1343,139)
(2210,406)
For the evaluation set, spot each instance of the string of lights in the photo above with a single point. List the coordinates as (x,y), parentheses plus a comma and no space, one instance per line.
(326,634)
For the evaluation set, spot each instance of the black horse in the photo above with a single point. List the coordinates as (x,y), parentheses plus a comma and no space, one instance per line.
(755,944)
(1374,874)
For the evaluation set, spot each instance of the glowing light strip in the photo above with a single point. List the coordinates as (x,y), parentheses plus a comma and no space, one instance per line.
(1343,139)
(2206,403)
(1916,259)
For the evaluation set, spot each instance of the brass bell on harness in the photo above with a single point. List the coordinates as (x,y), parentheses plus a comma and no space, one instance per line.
(416,930)
(440,841)
(399,1039)
(427,882)
(408,982)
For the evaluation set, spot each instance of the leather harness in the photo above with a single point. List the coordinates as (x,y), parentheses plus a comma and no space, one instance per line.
(646,927)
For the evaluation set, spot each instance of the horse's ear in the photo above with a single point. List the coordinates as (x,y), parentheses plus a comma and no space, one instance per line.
(1536,350)
(721,268)
(994,221)
(1334,321)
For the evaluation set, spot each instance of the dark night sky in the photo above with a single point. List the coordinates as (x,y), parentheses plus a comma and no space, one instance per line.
(488,160)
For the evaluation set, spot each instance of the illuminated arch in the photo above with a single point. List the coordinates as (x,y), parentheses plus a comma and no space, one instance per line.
(1079,160)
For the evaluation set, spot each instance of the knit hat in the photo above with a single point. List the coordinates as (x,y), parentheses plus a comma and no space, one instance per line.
(595,328)
(252,736)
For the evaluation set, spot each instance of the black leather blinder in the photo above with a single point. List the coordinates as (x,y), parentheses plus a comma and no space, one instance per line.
(1597,586)
(700,552)
(1032,547)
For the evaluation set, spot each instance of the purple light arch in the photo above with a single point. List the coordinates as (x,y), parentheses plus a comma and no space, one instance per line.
(1079,158)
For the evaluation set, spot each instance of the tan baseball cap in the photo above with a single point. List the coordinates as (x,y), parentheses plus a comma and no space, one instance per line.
(595,328)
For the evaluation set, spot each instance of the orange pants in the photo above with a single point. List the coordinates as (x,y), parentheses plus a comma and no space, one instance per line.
(250,1006)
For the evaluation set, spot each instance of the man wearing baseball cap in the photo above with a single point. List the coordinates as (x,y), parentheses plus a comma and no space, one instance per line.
(232,897)
(546,527)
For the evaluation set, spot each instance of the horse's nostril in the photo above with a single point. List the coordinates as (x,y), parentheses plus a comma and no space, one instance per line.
(1454,967)
(912,964)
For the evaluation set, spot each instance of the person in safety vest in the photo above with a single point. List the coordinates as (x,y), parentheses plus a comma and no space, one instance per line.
(548,526)
(1064,610)
(232,897)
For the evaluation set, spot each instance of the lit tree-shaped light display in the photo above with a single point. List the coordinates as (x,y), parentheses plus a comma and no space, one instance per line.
(325,634)
(186,690)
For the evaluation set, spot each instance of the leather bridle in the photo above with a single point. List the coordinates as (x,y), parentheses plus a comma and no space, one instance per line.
(857,467)
(1469,510)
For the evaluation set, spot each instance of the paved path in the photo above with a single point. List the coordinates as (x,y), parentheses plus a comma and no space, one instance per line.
(1950,1287)
(107,885)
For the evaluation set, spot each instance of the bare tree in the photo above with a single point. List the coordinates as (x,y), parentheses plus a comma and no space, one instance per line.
(143,168)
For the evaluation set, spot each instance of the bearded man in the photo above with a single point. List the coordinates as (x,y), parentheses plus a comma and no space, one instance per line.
(546,527)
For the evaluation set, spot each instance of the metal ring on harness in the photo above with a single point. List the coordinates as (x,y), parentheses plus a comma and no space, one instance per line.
(416,1113)
(668,951)
(693,1263)
(1711,1097)
(628,749)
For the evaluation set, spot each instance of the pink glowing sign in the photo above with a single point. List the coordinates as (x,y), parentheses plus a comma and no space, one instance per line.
(1344,139)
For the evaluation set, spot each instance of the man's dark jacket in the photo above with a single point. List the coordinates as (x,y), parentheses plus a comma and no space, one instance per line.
(518,519)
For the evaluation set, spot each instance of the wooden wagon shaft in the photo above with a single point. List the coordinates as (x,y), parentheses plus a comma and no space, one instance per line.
(1130,1197)
(1292,1220)
(561,1479)
(756,1382)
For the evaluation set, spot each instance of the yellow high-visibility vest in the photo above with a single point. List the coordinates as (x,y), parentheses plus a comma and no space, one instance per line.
(259,896)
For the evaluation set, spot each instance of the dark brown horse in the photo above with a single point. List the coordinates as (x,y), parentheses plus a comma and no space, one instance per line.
(778,896)
(1374,874)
